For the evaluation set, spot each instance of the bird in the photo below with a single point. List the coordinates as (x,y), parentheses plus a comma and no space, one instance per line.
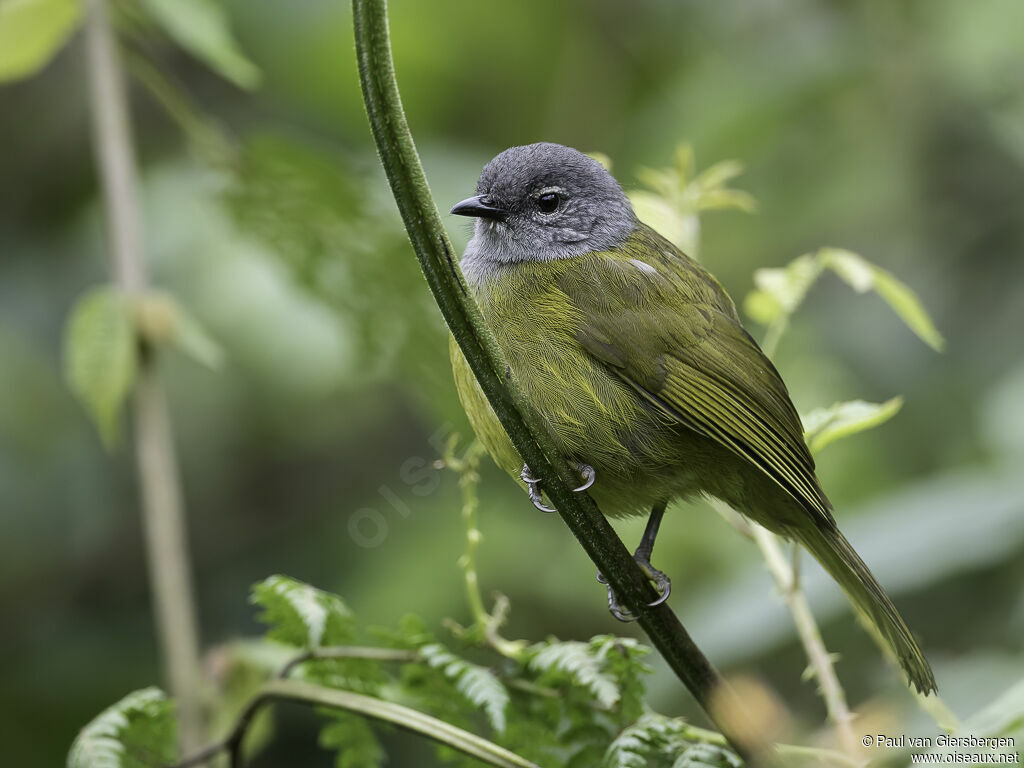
(636,359)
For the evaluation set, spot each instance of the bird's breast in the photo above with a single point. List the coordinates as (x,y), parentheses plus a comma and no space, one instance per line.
(594,417)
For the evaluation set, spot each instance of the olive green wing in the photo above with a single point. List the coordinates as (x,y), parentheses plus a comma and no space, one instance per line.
(699,366)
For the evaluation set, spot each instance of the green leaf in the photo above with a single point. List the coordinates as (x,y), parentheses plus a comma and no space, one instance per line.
(659,214)
(780,291)
(718,175)
(858,272)
(353,738)
(649,737)
(655,736)
(301,615)
(905,303)
(139,731)
(100,356)
(664,184)
(622,658)
(706,756)
(727,199)
(576,661)
(477,684)
(826,425)
(201,28)
(674,197)
(685,162)
(863,276)
(32,32)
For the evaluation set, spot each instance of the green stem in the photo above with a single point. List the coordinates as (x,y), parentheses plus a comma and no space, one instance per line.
(527,433)
(810,636)
(466,469)
(159,480)
(486,625)
(376,709)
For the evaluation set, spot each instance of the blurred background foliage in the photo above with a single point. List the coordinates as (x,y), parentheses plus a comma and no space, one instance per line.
(895,130)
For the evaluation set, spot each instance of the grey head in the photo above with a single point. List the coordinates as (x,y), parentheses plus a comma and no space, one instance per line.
(542,202)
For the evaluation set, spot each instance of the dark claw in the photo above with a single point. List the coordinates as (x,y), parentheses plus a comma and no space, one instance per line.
(538,500)
(614,607)
(662,583)
(588,474)
(531,484)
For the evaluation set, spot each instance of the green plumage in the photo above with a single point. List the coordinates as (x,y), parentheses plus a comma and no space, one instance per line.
(636,359)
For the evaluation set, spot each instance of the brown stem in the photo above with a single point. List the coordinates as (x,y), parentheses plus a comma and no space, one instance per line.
(159,481)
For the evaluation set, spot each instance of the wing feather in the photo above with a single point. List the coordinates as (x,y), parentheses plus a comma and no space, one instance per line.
(691,358)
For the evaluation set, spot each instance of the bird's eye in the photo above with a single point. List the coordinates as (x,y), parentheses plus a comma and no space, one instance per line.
(548,202)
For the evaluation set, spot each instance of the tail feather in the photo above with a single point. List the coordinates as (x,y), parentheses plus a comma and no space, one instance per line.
(837,556)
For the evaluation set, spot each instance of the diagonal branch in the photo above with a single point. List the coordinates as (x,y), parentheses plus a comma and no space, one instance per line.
(527,432)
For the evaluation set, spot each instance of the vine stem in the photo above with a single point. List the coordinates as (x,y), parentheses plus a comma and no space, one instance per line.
(377,709)
(527,432)
(159,479)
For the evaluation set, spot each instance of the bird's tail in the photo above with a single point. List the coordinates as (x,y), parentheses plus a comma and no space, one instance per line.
(837,556)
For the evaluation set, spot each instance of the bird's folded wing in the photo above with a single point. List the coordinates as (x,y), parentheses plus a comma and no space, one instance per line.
(700,367)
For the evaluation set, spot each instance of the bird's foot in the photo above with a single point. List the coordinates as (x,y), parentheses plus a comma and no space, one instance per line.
(532,486)
(586,471)
(662,583)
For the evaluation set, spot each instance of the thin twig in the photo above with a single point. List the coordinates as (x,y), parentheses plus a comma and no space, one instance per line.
(810,636)
(159,481)
(527,432)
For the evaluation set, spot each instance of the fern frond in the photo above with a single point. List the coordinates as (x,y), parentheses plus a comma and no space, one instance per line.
(139,731)
(657,736)
(578,662)
(302,615)
(478,684)
(622,658)
(703,755)
(639,742)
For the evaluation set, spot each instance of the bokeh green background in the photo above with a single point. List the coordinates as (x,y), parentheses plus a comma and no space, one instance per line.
(893,129)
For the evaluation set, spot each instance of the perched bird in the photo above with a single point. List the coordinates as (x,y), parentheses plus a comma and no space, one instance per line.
(635,357)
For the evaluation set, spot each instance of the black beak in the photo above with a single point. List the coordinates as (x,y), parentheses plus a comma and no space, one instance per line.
(480,207)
